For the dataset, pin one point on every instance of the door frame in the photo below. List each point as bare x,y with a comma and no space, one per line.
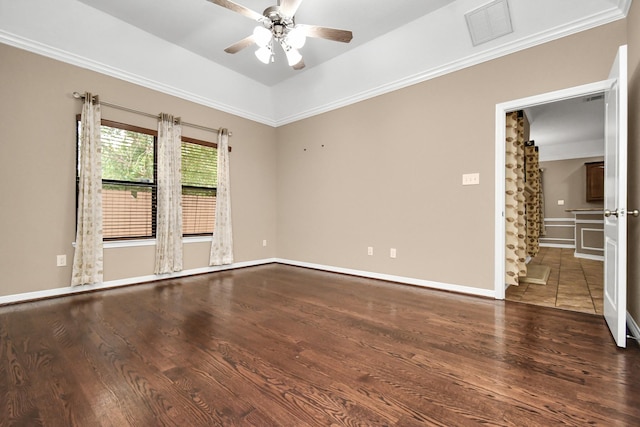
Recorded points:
501,111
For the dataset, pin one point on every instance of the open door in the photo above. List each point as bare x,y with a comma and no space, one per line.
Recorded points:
615,202
615,277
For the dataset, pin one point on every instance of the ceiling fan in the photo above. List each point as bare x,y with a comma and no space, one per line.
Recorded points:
278,25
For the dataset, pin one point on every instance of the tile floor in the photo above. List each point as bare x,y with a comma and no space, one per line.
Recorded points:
574,283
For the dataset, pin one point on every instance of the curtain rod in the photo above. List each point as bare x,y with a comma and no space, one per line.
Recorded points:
142,113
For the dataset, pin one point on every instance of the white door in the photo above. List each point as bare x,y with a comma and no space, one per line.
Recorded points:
615,203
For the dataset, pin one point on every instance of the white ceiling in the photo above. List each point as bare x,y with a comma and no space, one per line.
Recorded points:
206,29
572,128
176,46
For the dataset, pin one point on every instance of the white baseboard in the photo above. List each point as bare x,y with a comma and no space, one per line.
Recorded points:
589,256
490,293
556,245
633,328
57,292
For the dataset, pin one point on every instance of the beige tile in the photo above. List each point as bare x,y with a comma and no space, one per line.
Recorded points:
574,284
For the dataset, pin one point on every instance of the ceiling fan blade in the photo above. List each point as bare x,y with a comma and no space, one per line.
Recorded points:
343,36
238,46
238,8
289,7
299,65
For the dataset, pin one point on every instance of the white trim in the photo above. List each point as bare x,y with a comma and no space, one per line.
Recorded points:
501,110
624,6
560,225
589,221
391,278
80,61
589,248
612,14
111,244
58,292
572,219
557,245
633,327
197,239
588,256
558,239
595,20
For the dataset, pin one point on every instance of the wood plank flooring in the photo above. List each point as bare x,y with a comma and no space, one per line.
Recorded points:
575,284
277,345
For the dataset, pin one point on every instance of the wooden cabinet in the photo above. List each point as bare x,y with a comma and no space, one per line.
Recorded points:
595,181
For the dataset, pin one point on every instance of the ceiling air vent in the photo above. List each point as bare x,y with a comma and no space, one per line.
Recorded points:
489,22
594,97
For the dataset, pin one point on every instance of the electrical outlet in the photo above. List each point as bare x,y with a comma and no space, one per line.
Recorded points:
61,260
392,252
264,242
560,202
370,250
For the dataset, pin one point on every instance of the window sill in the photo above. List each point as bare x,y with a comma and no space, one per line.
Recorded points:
148,242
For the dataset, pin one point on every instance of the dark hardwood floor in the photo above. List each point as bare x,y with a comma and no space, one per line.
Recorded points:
284,346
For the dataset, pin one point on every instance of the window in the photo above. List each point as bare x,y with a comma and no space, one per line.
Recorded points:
129,182
199,182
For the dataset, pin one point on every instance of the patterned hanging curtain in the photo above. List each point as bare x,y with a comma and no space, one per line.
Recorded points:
543,230
515,230
169,187
88,255
533,199
222,242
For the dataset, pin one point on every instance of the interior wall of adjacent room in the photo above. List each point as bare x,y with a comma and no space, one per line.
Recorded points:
566,180
633,283
37,171
387,172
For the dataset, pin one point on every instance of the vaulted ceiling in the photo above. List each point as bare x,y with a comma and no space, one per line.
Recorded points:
176,46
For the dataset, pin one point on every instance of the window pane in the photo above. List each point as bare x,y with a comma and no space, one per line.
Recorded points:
126,155
198,210
199,165
126,211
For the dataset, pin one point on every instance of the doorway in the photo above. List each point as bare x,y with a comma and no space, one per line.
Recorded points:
569,140
615,200
592,89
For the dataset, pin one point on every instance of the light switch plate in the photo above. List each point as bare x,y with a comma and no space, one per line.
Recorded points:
471,179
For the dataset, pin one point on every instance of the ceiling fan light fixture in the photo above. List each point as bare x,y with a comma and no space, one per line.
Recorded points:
264,54
296,38
293,56
277,25
262,36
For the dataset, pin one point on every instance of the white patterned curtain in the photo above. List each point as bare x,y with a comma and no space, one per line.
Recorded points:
169,201
543,229
222,242
532,170
88,255
515,266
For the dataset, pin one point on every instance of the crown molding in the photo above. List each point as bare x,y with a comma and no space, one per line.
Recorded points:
624,6
89,64
613,14
593,21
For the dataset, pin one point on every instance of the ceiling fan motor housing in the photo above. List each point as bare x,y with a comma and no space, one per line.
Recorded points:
278,24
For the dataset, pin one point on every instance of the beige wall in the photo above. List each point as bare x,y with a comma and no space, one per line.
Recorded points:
566,180
389,173
633,36
385,172
37,178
